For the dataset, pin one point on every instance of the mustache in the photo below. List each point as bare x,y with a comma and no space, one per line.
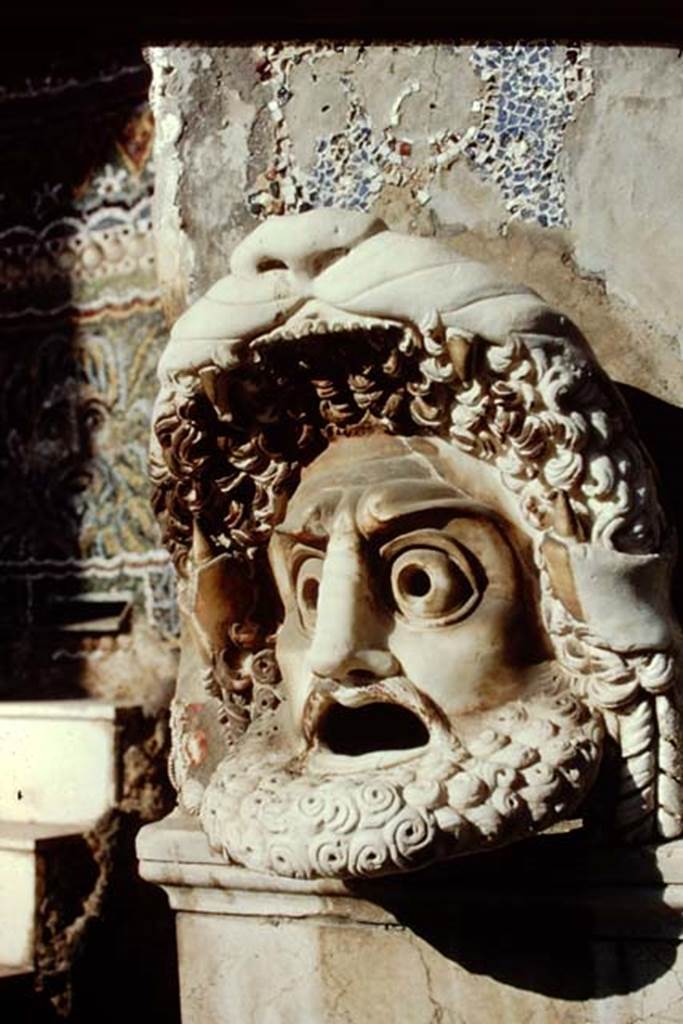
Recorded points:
326,691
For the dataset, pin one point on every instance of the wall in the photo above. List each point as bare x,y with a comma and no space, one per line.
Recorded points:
80,333
86,593
563,164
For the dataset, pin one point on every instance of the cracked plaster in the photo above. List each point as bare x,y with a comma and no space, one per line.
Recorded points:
624,171
504,109
314,969
505,142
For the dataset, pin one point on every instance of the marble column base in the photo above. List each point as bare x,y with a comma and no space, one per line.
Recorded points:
551,931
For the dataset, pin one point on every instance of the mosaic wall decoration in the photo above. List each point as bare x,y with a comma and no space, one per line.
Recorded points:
530,93
351,167
80,333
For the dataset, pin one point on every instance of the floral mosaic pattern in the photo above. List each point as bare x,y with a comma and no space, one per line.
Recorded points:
351,167
74,415
531,92
80,334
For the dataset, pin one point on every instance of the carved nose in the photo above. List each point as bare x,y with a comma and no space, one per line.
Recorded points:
355,666
349,642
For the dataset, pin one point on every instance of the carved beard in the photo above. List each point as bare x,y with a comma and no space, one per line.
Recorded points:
482,781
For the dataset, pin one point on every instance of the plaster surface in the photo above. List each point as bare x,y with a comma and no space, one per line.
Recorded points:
18,905
464,946
625,178
561,162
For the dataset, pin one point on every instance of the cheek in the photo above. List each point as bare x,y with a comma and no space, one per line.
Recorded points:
291,649
465,665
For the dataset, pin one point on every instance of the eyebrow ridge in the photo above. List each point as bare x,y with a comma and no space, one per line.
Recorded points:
372,524
303,536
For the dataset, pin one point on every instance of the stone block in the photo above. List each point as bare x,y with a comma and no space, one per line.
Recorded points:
57,761
551,931
23,849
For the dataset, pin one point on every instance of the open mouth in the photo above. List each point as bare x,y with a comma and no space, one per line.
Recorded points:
372,727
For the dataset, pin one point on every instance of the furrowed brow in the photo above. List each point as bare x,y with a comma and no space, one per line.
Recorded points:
303,535
378,515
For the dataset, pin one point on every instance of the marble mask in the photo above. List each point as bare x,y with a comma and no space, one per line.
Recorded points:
422,565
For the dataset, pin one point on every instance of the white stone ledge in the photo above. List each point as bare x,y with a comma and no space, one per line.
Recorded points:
24,849
15,972
20,835
621,892
532,931
57,760
62,709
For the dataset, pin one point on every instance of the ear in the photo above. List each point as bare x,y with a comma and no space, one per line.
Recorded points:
622,598
222,595
566,529
278,550
558,564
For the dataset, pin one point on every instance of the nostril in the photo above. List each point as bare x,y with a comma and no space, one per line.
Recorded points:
358,667
361,676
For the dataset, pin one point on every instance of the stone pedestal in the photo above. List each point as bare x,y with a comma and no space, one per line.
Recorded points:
548,931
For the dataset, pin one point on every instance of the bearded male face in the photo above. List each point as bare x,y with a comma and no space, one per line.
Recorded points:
471,562
423,714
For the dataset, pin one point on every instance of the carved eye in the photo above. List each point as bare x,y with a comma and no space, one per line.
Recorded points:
307,587
433,585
